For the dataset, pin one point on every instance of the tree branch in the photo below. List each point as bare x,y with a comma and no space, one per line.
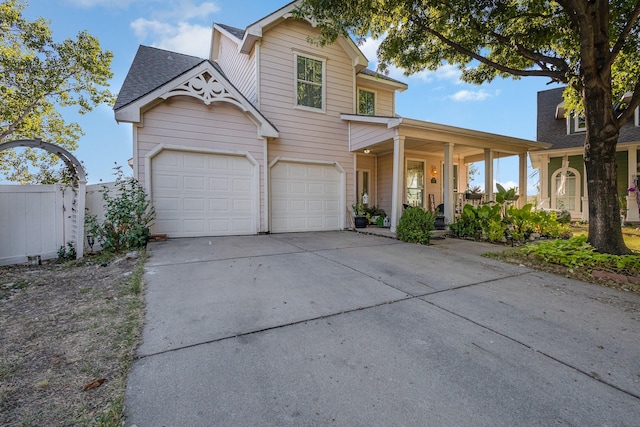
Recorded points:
622,38
555,75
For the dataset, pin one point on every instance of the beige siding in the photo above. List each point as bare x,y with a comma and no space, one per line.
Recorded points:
239,68
385,178
384,182
308,135
384,98
183,121
366,134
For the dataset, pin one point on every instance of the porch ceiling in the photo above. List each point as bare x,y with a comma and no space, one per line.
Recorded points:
376,134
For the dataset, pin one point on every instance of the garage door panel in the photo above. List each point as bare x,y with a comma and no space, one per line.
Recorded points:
198,194
193,183
242,206
167,181
194,162
221,184
242,184
304,197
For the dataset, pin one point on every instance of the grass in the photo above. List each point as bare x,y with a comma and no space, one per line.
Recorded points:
630,235
65,325
575,258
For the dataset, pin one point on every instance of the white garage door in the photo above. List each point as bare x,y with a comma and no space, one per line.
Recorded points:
197,194
304,197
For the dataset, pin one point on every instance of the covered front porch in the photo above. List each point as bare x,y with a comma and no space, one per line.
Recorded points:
402,161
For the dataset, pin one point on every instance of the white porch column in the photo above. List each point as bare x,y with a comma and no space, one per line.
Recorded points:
447,175
397,194
488,174
522,179
632,204
545,198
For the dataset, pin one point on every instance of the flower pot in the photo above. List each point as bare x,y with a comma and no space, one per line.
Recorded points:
472,196
361,221
439,224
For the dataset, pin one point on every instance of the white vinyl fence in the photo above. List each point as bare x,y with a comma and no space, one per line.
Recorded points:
37,220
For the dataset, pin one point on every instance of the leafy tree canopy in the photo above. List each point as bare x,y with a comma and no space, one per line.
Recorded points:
38,76
490,38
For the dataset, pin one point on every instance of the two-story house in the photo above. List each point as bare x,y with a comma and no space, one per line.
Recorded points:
274,134
563,181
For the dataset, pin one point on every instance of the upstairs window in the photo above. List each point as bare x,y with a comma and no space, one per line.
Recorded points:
576,124
309,82
366,102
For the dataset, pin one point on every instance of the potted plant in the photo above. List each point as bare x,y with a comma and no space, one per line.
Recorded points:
504,195
439,222
359,215
473,193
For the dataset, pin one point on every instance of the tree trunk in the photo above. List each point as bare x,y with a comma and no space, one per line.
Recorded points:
605,231
603,130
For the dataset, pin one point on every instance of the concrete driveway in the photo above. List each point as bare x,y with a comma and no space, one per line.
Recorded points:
346,329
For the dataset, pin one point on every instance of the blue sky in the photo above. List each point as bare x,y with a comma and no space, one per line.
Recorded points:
505,107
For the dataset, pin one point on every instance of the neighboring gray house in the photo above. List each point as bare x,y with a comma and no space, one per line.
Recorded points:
565,133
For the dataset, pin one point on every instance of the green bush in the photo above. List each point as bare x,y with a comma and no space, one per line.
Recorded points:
129,214
496,221
577,253
416,226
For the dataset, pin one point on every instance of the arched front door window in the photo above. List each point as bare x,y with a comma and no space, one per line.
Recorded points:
566,195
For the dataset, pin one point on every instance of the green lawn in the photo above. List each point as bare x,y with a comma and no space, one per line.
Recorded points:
630,234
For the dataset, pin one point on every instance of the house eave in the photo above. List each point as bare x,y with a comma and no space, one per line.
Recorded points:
254,32
398,86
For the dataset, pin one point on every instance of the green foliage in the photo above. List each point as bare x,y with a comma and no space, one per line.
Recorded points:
129,214
375,211
416,226
38,75
492,222
577,253
68,253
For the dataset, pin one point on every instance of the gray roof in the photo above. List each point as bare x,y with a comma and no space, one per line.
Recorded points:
554,131
151,68
237,32
372,73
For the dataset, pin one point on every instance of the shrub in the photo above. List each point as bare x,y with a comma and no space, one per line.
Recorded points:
67,253
416,226
129,214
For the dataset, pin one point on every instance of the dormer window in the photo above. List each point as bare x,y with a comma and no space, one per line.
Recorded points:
310,73
576,124
366,102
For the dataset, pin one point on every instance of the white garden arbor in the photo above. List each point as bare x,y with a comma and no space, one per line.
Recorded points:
72,204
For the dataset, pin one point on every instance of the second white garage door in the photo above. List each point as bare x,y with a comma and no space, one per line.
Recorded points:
304,197
201,194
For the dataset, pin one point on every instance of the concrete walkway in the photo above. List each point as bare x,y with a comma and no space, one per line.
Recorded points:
346,329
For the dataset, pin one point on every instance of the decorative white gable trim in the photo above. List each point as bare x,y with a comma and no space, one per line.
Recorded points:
254,32
206,88
206,84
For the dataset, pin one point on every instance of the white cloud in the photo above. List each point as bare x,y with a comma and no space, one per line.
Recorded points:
190,39
470,95
185,10
101,3
181,26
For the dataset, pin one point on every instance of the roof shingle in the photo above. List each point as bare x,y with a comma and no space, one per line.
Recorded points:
151,68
